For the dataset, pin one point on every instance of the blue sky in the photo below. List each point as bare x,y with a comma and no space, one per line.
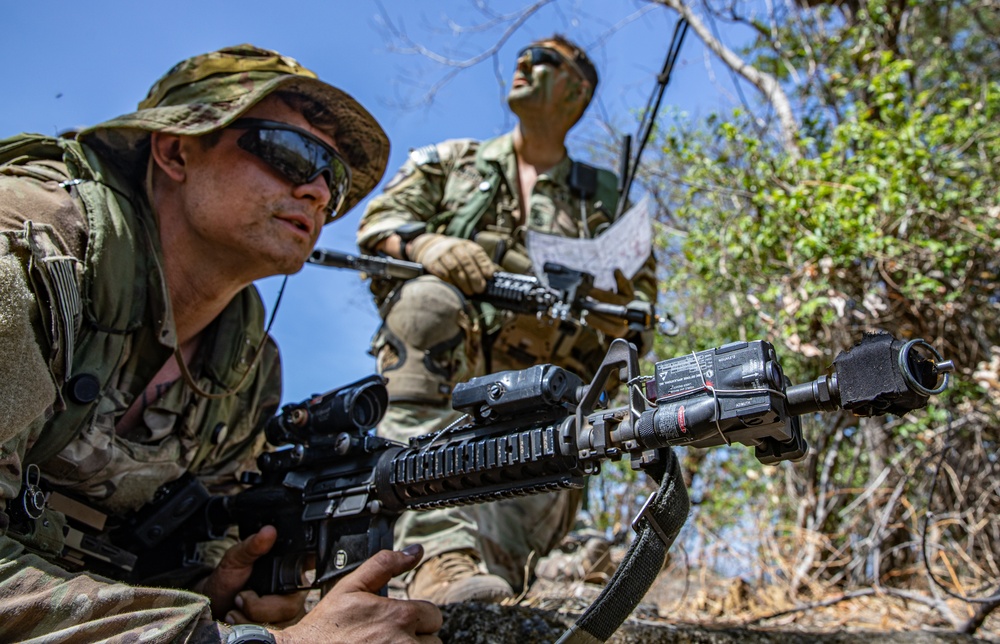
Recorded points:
71,64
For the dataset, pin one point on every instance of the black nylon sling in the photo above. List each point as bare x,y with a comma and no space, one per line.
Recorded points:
657,527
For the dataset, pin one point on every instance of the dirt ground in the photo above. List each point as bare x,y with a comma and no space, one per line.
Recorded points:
687,609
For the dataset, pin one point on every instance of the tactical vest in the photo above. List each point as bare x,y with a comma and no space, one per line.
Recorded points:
572,346
91,324
463,221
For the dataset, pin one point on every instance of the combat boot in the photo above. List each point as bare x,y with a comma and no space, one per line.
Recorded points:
589,562
597,564
456,577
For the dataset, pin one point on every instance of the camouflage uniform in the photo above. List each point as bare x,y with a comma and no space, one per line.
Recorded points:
433,338
86,323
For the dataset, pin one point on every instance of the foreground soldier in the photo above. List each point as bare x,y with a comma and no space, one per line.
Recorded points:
132,347
477,200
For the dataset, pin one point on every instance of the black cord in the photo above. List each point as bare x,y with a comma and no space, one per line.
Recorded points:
923,533
652,107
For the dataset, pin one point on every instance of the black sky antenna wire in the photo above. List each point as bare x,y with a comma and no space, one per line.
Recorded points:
628,168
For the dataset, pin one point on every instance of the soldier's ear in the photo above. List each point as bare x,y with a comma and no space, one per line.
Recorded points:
168,154
582,93
580,97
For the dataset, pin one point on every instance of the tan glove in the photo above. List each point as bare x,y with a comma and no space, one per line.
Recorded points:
623,295
457,261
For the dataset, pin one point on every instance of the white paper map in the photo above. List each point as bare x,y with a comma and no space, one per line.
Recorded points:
625,245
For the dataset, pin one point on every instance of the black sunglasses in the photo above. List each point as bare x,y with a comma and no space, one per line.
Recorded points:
546,56
297,155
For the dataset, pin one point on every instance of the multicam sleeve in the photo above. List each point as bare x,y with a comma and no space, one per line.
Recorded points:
42,602
413,194
27,386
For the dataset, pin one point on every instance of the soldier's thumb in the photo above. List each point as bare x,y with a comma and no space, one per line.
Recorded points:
623,285
375,573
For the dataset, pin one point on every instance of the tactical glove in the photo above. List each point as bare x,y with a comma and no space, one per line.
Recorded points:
457,261
623,295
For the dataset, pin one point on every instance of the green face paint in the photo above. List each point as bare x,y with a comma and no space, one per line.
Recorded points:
543,78
542,87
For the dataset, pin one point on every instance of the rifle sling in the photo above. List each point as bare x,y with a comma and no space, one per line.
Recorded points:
662,518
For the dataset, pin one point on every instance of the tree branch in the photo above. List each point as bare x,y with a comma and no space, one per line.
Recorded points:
764,82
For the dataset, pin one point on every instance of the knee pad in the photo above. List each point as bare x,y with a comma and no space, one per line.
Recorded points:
429,341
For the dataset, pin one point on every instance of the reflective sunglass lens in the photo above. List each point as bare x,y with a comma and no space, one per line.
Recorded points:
297,155
542,56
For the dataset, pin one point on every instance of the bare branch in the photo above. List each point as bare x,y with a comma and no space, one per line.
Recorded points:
802,608
764,82
409,46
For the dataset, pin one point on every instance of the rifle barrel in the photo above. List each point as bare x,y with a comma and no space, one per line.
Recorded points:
620,311
386,267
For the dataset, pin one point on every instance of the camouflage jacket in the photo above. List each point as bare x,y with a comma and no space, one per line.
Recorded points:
438,183
85,323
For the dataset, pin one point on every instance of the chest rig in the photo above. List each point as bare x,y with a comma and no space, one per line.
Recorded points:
517,341
92,311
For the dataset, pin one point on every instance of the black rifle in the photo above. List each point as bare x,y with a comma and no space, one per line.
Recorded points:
333,490
566,294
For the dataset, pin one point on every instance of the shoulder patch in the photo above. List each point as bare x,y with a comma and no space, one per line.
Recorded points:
401,174
424,155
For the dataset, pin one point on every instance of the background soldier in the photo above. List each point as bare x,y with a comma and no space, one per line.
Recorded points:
132,346
462,208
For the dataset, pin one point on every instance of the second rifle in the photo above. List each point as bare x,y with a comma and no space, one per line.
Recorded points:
565,295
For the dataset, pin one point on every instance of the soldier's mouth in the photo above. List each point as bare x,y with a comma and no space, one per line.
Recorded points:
520,81
299,222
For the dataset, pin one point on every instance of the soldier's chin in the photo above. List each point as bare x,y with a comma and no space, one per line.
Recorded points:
518,95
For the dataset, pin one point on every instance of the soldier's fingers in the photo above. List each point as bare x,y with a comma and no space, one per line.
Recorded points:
611,326
477,283
375,573
474,278
485,264
423,617
236,617
243,554
448,263
463,280
271,609
439,268
428,639
623,284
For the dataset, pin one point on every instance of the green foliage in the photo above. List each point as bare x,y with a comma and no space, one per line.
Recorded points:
898,211
888,220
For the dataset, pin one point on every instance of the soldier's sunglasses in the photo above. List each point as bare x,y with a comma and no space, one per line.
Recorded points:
297,155
547,56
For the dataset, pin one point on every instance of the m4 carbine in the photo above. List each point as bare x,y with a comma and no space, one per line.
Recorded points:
565,295
333,490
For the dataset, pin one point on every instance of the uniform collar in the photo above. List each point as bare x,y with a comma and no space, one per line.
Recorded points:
501,151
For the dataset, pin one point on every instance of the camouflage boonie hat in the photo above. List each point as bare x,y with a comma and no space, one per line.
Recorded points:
208,92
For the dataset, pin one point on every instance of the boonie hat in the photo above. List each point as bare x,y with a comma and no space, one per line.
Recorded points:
208,92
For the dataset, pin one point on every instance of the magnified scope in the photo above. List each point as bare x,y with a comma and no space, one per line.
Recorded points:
356,407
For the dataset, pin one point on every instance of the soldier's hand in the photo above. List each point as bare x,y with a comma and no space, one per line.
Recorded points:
457,261
225,586
352,612
623,295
